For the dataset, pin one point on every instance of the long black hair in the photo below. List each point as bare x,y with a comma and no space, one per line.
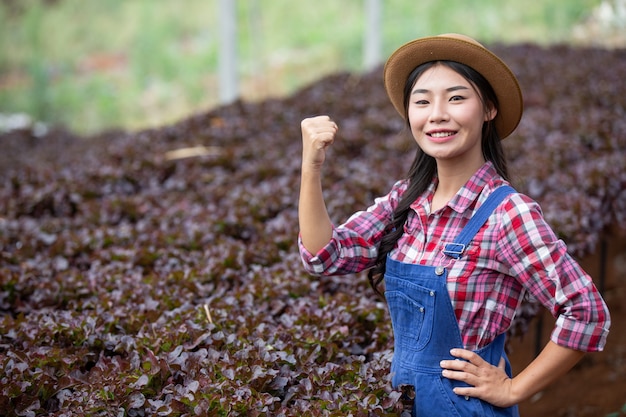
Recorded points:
424,167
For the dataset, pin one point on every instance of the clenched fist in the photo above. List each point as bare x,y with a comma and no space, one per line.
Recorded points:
318,133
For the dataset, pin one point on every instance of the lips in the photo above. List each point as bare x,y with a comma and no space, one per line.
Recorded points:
441,135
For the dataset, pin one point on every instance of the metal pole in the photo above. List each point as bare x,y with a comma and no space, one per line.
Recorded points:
227,58
372,34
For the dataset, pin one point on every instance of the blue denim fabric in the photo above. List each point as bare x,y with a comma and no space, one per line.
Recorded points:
425,329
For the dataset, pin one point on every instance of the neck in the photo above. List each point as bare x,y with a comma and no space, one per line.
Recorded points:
452,176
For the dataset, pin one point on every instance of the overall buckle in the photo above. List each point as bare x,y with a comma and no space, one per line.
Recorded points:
454,250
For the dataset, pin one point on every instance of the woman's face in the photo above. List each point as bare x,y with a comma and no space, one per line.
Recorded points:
446,115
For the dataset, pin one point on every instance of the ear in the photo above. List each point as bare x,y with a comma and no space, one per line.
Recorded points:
491,113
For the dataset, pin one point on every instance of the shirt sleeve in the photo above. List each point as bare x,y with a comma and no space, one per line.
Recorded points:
541,263
354,244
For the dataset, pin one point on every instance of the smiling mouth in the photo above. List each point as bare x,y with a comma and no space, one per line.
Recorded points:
439,135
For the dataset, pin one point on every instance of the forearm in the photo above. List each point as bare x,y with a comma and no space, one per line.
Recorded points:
316,229
553,362
315,224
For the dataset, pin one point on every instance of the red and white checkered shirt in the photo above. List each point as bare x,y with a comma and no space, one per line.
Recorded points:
513,253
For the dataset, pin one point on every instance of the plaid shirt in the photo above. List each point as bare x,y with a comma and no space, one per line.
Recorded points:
515,252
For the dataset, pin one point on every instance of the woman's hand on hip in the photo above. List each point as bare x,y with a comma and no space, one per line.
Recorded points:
488,382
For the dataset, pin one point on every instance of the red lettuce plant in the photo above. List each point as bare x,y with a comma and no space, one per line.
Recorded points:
136,284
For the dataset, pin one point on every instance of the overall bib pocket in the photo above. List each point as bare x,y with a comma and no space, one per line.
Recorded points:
411,316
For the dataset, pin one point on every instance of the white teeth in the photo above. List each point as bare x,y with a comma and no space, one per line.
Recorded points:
441,134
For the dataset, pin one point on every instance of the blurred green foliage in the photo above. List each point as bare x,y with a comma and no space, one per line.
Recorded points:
97,64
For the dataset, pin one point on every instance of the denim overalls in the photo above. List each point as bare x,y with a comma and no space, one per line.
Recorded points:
425,329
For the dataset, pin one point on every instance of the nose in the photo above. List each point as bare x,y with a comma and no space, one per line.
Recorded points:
439,112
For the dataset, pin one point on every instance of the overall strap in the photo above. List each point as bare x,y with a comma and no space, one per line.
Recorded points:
456,249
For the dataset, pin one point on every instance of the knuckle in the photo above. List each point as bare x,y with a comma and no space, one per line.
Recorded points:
462,365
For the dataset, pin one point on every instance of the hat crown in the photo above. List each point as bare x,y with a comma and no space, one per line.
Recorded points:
460,37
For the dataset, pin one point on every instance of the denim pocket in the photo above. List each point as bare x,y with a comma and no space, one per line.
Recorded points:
411,314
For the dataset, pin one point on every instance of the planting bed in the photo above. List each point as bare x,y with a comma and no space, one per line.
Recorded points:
136,281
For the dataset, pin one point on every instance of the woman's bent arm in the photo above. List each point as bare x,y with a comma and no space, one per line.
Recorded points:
315,225
491,384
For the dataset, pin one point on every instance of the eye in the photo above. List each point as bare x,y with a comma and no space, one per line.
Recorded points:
457,98
421,102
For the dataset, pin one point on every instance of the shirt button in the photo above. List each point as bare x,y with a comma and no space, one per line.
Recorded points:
439,270
467,398
421,309
432,293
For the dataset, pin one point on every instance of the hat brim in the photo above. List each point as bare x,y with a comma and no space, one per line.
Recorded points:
465,50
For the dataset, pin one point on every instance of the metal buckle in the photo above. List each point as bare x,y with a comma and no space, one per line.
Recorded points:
454,250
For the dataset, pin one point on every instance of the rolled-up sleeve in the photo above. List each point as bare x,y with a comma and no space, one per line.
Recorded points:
354,244
541,263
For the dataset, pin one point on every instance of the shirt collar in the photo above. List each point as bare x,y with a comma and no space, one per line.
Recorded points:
485,176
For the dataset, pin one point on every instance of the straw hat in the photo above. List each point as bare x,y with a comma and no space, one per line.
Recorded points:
463,49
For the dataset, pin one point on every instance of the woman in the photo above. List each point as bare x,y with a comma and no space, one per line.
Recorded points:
456,247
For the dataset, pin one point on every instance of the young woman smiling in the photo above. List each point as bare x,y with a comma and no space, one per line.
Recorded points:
456,247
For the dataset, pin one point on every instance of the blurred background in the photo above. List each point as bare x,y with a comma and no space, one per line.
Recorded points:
93,65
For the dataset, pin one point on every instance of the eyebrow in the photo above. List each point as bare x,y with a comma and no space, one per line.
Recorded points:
449,90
